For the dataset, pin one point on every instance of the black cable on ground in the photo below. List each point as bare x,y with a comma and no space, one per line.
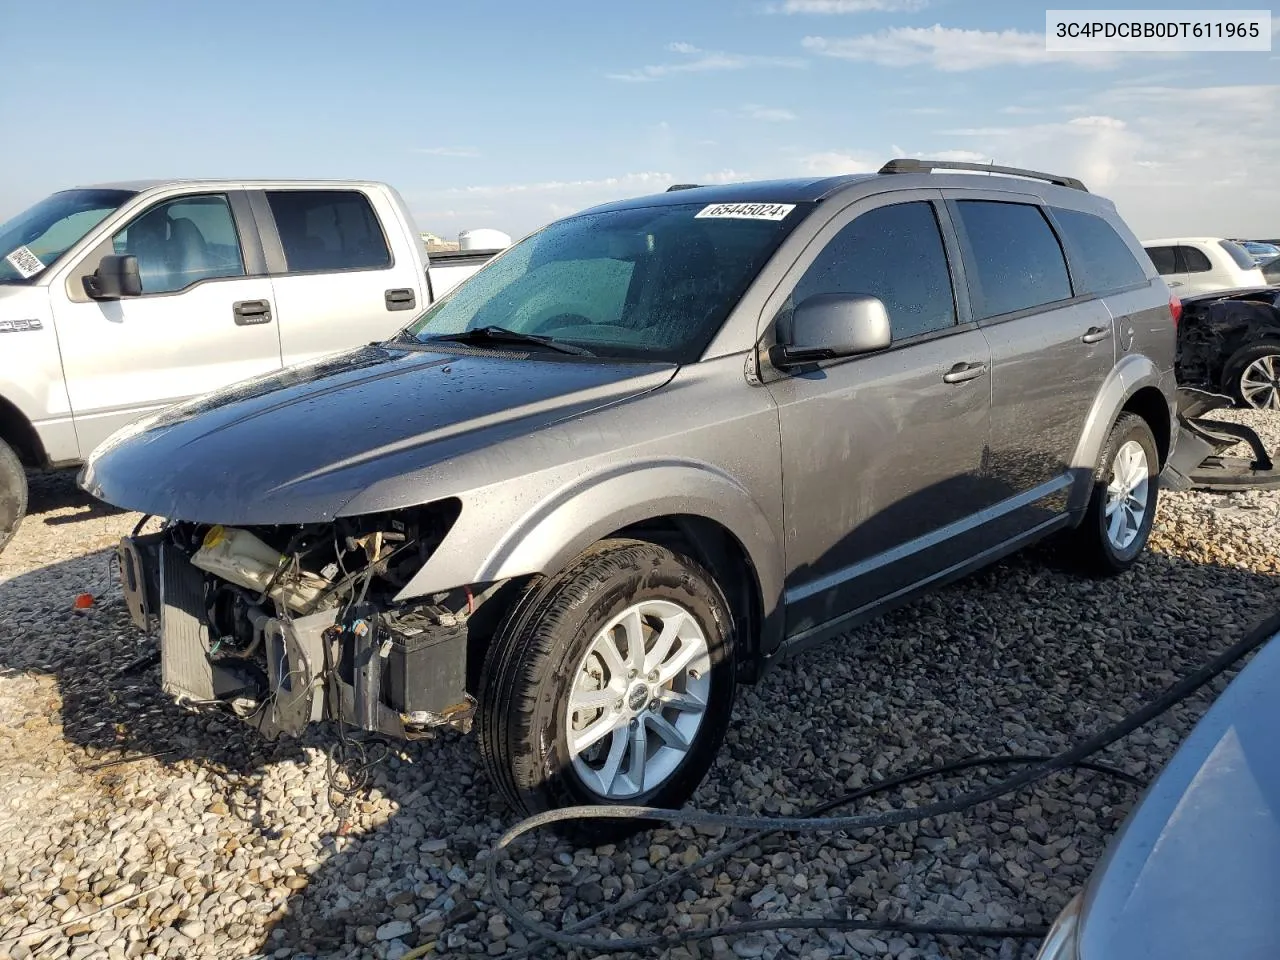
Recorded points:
883,786
813,824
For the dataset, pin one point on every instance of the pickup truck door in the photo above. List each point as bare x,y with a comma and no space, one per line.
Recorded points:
344,268
204,319
883,453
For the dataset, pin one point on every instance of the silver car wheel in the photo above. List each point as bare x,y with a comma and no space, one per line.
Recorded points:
1260,383
639,697
1127,494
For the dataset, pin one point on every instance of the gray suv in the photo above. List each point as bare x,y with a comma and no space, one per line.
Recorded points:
646,453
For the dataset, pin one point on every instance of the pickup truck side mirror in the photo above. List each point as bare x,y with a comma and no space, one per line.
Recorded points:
830,325
116,277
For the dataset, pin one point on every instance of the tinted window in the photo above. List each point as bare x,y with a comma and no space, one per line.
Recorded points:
1016,260
1103,261
1243,258
894,253
1195,260
328,230
1165,259
183,241
644,282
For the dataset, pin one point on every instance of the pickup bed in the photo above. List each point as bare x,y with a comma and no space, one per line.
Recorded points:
120,299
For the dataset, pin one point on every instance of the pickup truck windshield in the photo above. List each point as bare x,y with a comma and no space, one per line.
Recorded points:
652,283
33,240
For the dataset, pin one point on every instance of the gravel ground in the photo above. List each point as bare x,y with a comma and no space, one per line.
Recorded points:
226,846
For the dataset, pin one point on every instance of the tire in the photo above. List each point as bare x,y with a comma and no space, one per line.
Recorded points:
1104,544
13,494
552,654
1245,375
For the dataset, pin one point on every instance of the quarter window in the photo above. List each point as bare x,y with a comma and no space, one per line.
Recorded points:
1102,260
1195,260
183,241
894,253
1165,259
328,230
1015,260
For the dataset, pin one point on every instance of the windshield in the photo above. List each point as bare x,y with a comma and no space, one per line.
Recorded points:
33,240
1239,254
651,283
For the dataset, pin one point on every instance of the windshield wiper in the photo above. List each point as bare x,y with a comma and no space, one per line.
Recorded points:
494,334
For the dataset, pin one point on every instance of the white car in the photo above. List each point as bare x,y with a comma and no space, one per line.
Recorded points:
1193,265
120,299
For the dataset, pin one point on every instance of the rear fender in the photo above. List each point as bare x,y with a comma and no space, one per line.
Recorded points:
1131,374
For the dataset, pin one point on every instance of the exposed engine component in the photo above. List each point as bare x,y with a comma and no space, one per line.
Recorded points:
243,559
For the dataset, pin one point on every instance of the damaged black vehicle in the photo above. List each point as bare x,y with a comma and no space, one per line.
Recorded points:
1229,342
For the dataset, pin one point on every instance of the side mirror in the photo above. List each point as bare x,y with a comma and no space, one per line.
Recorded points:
829,325
116,277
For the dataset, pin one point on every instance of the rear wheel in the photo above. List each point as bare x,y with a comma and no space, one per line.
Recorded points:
13,493
1122,507
1253,375
610,683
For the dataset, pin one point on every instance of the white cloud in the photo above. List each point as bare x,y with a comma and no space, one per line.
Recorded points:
753,111
725,176
848,6
696,60
447,151
834,163
1158,153
949,49
518,208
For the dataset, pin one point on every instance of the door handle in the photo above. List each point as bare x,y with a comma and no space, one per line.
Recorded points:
249,313
402,298
963,372
1096,334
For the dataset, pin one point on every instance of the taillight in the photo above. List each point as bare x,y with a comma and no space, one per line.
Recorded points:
1175,310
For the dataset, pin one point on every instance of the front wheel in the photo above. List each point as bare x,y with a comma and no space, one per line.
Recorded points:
1253,375
13,493
1122,508
610,683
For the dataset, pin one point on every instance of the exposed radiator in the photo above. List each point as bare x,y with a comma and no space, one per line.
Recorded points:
185,670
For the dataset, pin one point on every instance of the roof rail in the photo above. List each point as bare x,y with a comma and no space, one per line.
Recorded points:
911,165
683,186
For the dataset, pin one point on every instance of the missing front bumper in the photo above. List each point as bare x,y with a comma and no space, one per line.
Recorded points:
1199,461
400,673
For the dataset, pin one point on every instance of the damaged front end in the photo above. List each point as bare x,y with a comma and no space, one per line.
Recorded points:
1200,460
285,625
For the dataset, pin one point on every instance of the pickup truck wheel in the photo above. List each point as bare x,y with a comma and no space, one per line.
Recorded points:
610,683
13,493
1126,487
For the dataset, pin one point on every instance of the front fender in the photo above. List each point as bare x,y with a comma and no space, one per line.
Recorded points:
558,527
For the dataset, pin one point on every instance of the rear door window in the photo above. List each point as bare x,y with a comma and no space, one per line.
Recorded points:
1102,260
1014,259
1165,260
894,253
328,230
1194,260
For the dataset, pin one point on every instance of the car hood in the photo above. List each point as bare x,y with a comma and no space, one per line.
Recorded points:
1195,871
297,445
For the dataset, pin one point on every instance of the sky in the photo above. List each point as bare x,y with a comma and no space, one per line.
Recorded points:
510,114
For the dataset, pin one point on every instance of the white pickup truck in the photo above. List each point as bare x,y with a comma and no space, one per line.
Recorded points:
119,299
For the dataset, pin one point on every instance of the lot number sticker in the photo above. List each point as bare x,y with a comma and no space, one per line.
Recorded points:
747,211
25,262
